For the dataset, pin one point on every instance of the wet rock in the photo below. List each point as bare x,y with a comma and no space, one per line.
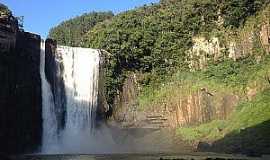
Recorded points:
54,74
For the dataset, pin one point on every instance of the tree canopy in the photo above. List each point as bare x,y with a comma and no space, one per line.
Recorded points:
4,10
153,39
70,32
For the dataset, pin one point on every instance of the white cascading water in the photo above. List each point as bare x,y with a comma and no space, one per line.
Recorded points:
80,75
49,136
81,72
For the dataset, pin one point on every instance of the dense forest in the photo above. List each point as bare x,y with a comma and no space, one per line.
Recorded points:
152,39
158,43
199,68
70,32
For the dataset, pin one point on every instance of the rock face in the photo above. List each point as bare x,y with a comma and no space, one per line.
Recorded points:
103,110
20,97
202,51
232,44
125,111
265,36
196,107
20,94
54,75
200,107
203,105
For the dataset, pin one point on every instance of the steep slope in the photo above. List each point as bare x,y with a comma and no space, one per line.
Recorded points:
189,63
20,93
245,131
218,68
154,39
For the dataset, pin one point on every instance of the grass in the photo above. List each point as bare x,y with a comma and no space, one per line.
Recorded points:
250,119
207,131
247,114
225,77
251,113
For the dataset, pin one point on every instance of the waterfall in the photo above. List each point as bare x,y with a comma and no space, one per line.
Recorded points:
49,135
80,71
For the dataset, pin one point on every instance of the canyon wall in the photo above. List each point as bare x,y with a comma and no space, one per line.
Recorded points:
252,39
204,104
20,94
195,107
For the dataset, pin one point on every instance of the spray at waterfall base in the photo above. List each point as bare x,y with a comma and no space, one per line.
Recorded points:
70,86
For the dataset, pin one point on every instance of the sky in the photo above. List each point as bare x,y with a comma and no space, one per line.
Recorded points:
41,15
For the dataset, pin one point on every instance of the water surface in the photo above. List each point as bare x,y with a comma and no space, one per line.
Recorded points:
193,156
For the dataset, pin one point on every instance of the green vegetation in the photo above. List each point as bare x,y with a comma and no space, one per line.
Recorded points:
70,32
258,109
4,10
227,77
202,132
236,11
6,15
153,42
153,39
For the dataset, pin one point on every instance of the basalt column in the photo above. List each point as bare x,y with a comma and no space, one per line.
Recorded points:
20,95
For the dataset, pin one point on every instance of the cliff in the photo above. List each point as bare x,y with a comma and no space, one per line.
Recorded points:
176,109
188,103
221,100
185,65
20,94
252,39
